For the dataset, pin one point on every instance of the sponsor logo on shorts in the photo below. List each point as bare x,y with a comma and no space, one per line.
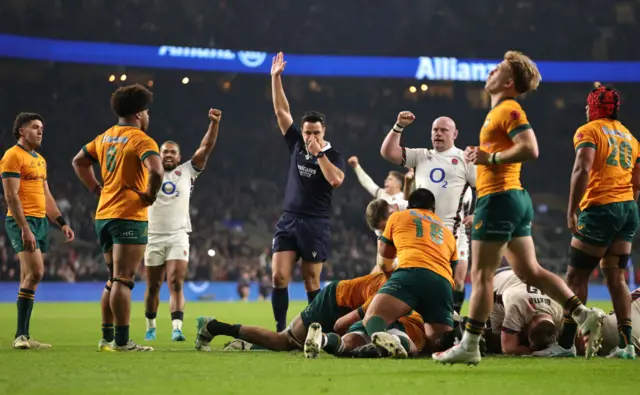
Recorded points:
129,234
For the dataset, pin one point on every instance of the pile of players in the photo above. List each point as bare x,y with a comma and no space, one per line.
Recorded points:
407,305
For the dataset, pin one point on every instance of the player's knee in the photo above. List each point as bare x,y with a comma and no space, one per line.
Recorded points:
33,277
176,283
577,277
154,287
311,284
280,280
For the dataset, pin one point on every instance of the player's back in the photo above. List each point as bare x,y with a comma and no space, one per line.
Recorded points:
422,240
616,155
501,125
121,151
355,292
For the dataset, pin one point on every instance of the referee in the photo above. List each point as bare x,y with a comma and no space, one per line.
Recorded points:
302,232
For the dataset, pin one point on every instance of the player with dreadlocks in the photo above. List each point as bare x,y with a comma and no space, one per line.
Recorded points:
604,185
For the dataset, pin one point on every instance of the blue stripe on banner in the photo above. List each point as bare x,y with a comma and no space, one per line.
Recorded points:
193,291
225,60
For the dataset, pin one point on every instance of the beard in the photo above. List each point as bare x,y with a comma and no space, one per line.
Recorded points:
169,166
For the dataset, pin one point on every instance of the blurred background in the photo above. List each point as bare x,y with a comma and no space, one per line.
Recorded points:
238,198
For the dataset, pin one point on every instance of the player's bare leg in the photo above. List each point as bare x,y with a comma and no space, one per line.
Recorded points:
31,273
208,328
384,310
459,278
281,268
522,257
176,273
311,277
126,259
108,329
613,266
155,278
486,257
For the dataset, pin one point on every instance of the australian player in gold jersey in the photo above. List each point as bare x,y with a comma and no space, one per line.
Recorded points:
132,173
502,223
24,180
604,186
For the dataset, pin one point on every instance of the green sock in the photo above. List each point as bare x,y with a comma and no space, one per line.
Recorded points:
334,343
624,332
25,306
405,343
122,335
568,333
108,332
375,324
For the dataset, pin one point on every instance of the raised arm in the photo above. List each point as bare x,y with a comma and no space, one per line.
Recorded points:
280,103
391,149
364,179
409,181
199,159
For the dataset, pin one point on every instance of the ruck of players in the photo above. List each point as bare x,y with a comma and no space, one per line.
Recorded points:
442,213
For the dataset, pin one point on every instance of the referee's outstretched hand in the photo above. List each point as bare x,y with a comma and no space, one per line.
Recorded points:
277,64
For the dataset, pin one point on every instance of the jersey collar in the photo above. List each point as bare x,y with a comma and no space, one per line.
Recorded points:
450,150
502,100
326,147
32,153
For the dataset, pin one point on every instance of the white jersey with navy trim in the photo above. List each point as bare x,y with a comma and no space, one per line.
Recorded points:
170,212
448,176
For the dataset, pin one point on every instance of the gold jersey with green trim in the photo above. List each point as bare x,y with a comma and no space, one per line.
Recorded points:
616,155
505,121
31,168
120,151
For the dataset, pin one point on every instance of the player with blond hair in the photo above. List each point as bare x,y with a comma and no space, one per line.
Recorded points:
502,223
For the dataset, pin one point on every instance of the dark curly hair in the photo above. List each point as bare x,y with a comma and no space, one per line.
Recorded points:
131,99
22,119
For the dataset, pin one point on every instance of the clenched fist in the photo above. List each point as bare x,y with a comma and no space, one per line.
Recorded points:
405,118
353,161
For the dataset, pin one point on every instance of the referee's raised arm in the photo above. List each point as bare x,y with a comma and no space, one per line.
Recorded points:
280,103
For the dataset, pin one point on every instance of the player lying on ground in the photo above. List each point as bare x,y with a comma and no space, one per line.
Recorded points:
522,319
29,203
334,300
504,212
611,332
169,226
444,172
604,186
423,281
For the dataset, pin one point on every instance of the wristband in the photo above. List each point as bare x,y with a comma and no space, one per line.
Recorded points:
320,154
397,128
60,220
491,159
496,158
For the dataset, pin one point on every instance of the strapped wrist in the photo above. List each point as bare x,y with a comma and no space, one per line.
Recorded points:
398,128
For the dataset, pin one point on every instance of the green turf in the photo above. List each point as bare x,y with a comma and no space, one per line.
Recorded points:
74,367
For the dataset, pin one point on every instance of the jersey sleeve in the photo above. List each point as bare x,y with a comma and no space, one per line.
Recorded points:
292,137
584,138
11,165
145,146
194,172
638,148
515,121
91,151
411,156
402,204
387,235
471,174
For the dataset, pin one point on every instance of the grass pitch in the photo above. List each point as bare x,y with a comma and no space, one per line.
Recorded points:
73,366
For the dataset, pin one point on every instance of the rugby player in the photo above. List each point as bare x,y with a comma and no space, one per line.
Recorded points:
303,231
520,312
503,215
392,191
604,186
29,203
423,281
332,302
611,330
132,173
444,172
169,228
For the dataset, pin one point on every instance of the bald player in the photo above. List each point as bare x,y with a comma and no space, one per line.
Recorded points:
522,311
444,172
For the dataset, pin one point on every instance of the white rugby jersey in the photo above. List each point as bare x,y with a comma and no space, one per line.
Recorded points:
515,304
170,212
448,176
610,326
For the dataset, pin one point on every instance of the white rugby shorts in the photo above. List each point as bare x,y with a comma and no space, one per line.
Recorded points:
463,244
162,248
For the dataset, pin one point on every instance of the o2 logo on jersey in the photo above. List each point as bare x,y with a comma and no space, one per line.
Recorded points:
169,188
437,176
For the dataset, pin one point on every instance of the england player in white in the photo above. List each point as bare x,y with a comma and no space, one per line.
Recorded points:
169,227
444,172
392,191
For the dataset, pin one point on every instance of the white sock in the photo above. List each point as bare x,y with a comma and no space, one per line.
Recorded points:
470,341
177,324
151,323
